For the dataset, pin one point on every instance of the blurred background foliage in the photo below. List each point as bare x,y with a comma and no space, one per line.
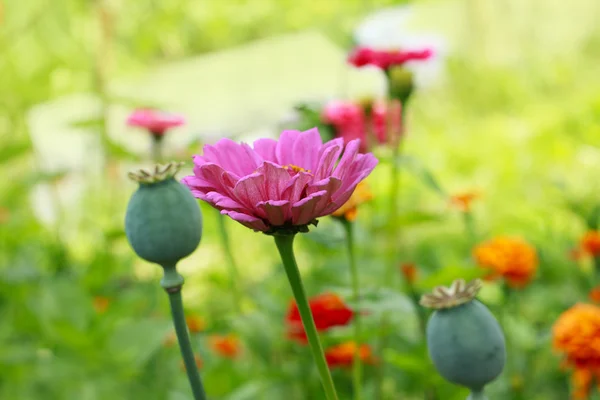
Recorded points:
515,116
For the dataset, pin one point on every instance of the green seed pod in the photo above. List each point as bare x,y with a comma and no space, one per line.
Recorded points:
401,83
465,341
163,222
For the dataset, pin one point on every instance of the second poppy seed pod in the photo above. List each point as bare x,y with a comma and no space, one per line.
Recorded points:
401,83
163,222
464,339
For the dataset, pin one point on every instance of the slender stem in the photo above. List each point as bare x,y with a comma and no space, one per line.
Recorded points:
285,245
156,148
172,283
231,266
356,363
395,233
470,226
477,395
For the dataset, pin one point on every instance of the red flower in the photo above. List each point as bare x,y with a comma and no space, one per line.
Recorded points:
225,346
385,59
356,121
409,272
342,355
328,311
156,122
590,243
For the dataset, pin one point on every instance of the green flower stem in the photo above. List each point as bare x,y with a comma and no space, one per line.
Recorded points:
156,148
356,363
391,267
231,265
285,245
172,282
477,395
470,226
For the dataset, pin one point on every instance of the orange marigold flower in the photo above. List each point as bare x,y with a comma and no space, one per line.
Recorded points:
342,355
226,346
409,271
328,311
198,360
100,304
595,294
510,258
590,243
576,334
361,195
195,323
462,201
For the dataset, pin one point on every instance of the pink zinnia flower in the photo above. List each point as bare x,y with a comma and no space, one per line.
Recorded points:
387,120
348,120
156,122
385,59
280,184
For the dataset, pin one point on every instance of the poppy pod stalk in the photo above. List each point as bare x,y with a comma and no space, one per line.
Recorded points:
163,225
464,339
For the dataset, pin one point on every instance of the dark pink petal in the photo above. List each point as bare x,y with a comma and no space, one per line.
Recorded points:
304,210
222,202
306,149
233,157
277,179
330,184
285,147
220,180
265,148
247,220
357,171
251,190
328,156
296,187
350,152
277,212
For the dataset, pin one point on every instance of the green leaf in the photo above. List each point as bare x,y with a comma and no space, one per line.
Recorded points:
406,362
412,218
416,167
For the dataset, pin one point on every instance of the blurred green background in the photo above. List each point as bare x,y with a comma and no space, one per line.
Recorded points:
512,111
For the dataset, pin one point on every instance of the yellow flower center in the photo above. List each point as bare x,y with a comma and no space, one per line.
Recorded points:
296,168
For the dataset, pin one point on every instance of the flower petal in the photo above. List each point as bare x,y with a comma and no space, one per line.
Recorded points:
306,149
250,190
265,148
328,156
277,212
238,158
303,211
247,220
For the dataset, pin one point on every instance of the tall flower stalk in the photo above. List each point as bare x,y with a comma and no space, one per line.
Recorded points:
285,246
356,362
163,225
157,124
231,265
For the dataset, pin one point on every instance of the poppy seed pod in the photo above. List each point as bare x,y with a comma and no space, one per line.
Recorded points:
464,339
163,222
401,83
